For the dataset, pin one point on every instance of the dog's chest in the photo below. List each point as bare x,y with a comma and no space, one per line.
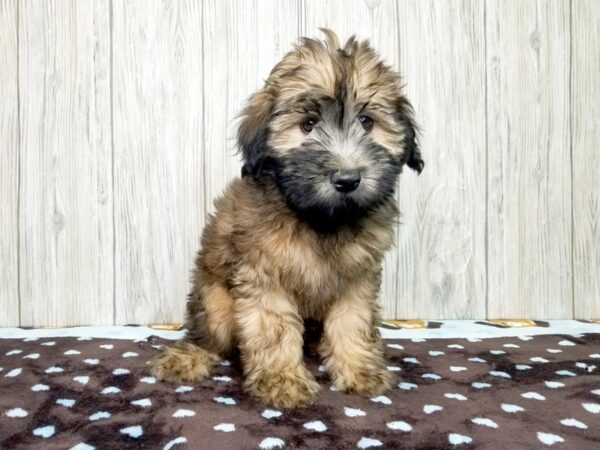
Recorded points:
317,269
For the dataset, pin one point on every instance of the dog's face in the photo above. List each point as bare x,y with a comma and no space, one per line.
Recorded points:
332,128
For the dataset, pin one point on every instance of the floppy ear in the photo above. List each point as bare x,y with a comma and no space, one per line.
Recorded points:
253,132
412,155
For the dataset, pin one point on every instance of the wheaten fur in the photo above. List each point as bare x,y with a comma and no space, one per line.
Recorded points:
283,246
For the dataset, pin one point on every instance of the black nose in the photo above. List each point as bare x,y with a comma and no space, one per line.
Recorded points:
345,180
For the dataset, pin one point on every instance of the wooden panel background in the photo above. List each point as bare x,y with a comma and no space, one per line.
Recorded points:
9,165
158,155
441,244
529,163
65,220
117,126
585,126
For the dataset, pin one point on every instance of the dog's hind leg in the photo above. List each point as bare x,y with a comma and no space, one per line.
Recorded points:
209,335
183,361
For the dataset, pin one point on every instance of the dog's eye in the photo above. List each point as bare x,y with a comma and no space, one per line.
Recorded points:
308,125
366,122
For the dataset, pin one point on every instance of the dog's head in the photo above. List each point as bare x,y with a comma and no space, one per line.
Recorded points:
332,128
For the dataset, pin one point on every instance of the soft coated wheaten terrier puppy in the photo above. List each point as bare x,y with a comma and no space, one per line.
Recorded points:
303,232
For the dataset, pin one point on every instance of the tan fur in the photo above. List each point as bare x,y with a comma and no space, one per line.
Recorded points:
351,346
261,271
183,361
280,271
313,67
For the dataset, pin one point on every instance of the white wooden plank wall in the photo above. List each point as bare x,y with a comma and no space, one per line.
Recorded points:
65,214
585,126
158,155
9,166
529,163
117,124
441,244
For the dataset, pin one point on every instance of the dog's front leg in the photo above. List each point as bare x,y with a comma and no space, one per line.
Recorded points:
270,340
351,346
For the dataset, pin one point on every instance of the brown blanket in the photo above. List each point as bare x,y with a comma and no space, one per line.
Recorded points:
512,393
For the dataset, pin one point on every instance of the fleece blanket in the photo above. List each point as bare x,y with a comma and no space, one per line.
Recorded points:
522,389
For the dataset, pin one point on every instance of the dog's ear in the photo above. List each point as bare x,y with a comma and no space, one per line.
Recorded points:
412,155
253,131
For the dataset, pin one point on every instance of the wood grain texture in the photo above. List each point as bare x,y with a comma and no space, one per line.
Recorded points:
441,245
158,155
66,202
529,169
117,126
9,166
242,43
377,21
585,117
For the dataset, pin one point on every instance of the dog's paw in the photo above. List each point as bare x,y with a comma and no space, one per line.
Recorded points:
291,388
183,361
368,383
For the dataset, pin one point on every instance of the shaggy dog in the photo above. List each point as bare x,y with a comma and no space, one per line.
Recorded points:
302,234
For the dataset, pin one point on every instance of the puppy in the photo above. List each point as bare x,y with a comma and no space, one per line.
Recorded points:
302,234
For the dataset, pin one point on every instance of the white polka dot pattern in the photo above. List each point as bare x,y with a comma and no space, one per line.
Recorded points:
474,389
